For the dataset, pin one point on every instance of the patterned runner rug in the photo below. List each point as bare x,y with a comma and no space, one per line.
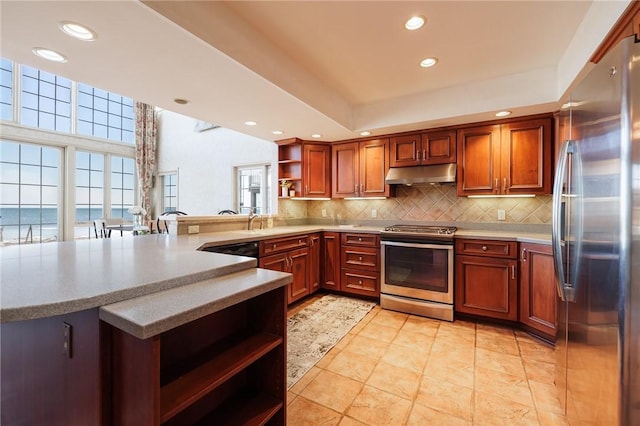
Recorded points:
317,328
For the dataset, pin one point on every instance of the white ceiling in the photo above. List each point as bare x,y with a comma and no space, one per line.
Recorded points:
328,67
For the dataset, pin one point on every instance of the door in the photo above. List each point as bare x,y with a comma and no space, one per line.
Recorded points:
331,261
478,160
345,170
525,154
439,147
315,248
299,267
374,165
538,289
317,174
405,150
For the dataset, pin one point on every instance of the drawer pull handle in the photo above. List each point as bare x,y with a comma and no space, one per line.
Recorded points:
524,254
273,247
513,272
360,258
485,248
360,282
360,239
299,241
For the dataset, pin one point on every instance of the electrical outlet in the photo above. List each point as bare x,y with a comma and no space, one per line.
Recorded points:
501,215
374,213
324,212
194,229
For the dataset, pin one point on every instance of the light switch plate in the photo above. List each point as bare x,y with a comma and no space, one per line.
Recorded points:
501,215
324,212
374,213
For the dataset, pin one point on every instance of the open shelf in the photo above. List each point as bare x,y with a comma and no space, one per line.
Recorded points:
252,409
182,392
289,161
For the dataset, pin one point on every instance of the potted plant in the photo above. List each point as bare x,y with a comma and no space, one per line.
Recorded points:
285,185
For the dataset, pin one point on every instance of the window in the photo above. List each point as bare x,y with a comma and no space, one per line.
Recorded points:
45,100
89,186
6,89
29,193
104,114
169,192
254,189
122,186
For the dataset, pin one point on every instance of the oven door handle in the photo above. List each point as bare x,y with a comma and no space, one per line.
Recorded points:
444,246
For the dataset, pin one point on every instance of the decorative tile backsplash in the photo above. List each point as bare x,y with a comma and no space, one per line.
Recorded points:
426,202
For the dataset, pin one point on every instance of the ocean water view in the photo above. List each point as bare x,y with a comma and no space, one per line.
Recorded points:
15,223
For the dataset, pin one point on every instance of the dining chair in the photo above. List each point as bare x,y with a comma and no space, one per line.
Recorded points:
161,225
113,221
99,227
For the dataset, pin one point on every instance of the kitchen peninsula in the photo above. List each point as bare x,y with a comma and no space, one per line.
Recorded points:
85,323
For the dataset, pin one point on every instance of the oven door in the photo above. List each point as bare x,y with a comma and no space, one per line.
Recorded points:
419,271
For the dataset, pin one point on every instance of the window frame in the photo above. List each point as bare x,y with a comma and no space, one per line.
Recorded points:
265,186
161,176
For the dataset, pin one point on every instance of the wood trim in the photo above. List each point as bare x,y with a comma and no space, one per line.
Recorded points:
628,24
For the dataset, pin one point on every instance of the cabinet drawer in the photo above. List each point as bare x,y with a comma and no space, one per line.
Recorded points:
278,245
356,239
361,258
491,248
360,282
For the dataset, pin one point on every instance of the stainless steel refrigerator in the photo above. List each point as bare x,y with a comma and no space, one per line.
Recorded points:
596,244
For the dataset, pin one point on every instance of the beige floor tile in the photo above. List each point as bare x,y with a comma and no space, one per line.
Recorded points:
507,386
413,341
539,371
366,346
302,412
537,351
413,360
494,330
344,341
348,421
545,396
398,381
342,391
446,397
498,343
375,407
492,410
290,397
390,319
305,380
329,356
453,371
552,419
422,416
447,350
352,365
498,361
421,325
379,332
456,335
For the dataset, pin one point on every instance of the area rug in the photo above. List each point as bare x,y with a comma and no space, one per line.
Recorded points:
317,328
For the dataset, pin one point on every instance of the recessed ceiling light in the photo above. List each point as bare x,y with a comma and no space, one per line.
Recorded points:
77,31
428,62
503,113
277,132
415,22
365,133
316,135
181,101
250,123
48,54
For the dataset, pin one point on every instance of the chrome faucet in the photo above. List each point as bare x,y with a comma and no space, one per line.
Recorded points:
252,216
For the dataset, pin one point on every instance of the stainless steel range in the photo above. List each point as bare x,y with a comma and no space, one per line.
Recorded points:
417,270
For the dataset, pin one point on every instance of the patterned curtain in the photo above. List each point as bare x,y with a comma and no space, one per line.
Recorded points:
146,128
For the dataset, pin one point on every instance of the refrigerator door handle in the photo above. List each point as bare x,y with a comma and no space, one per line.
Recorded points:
558,220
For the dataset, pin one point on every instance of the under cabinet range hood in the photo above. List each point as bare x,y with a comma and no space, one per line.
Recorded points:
439,173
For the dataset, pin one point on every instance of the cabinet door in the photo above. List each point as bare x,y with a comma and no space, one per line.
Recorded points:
538,289
276,262
314,262
405,151
478,160
331,261
299,267
487,287
356,281
526,157
316,178
374,165
345,170
439,147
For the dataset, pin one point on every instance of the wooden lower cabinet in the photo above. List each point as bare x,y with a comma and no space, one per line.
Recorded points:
228,367
295,262
331,261
360,282
315,249
538,296
360,264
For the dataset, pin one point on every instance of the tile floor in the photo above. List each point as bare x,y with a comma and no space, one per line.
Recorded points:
398,369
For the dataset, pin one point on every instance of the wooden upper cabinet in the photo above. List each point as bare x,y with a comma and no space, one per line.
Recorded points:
512,158
316,166
359,169
422,149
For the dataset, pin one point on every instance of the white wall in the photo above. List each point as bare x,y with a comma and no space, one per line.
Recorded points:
205,162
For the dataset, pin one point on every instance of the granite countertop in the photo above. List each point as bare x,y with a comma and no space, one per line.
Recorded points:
44,280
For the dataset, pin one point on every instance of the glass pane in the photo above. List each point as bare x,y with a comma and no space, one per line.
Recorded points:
30,174
63,108
128,181
85,100
5,94
82,196
100,93
115,121
9,173
29,101
6,77
46,76
6,112
129,164
96,196
85,128
47,89
50,157
9,194
100,105
29,85
63,124
83,88
115,134
100,131
116,180
127,136
31,72
97,161
50,195
50,176
9,151
116,196
29,194
30,154
127,197
63,93
100,117
47,105
82,160
97,179
46,121
116,164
